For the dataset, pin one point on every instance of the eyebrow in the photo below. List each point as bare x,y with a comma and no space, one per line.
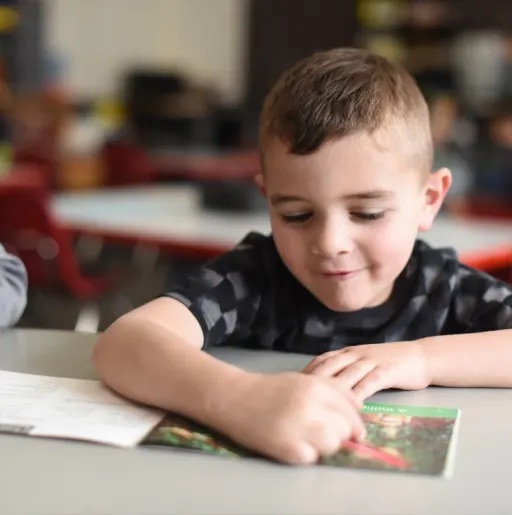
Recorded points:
277,200
371,194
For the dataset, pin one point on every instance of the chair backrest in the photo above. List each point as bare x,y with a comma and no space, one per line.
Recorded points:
496,262
28,230
126,164
481,207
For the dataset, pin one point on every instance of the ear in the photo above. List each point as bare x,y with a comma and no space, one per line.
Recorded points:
435,191
260,183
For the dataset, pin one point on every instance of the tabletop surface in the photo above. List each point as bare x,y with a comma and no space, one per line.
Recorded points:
173,212
63,477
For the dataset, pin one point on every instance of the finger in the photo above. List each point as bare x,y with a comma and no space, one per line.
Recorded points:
303,453
316,361
355,372
357,428
342,391
348,408
376,380
327,438
334,365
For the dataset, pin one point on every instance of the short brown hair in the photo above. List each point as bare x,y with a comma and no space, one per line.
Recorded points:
342,92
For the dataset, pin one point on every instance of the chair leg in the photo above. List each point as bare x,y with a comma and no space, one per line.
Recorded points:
88,249
88,319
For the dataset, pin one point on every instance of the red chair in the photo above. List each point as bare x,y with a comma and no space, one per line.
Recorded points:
28,230
22,178
126,164
480,207
496,262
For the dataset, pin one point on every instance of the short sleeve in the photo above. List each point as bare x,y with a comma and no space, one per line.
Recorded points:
225,294
482,302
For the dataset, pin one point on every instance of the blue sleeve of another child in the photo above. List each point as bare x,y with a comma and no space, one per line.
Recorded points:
13,288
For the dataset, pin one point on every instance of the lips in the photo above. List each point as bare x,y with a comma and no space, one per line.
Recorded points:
340,274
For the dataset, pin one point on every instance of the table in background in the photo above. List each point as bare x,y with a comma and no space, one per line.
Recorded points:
171,218
62,477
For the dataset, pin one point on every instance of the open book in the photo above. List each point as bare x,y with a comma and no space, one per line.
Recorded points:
401,438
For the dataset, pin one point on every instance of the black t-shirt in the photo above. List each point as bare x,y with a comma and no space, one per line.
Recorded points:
248,298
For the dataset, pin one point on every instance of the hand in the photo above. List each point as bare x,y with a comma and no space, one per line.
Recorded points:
291,417
366,369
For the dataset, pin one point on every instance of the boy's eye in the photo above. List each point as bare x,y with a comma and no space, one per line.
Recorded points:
296,218
369,217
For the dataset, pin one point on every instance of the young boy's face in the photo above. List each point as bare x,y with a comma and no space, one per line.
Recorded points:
345,218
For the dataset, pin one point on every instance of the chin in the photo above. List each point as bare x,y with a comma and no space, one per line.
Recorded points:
343,306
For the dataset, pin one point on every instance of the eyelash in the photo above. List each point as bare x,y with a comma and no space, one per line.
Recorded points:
304,217
369,217
296,219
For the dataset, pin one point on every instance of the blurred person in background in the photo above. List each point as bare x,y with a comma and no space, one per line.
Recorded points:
494,175
453,136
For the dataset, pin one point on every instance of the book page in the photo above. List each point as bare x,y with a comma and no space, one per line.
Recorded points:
71,408
415,439
410,439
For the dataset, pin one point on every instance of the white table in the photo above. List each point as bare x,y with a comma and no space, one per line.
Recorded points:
171,216
166,216
60,477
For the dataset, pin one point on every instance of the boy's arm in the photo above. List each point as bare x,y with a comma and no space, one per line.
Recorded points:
465,360
477,354
13,288
153,355
477,359
149,353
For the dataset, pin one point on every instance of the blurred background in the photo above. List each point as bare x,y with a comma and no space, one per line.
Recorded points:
128,129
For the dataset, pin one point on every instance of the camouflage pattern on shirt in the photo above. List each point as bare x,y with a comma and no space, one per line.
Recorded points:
248,298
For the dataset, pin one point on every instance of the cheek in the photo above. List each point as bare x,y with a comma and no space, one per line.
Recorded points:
392,244
289,243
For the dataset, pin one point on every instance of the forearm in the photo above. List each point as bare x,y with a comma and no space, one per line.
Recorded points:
146,362
470,360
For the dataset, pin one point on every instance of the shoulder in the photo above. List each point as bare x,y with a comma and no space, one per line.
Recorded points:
245,263
254,255
225,294
443,263
474,300
13,288
12,266
434,265
481,301
253,246
434,257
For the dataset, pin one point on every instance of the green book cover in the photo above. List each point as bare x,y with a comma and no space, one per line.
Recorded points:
399,438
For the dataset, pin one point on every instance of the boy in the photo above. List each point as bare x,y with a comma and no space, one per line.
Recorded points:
13,289
346,168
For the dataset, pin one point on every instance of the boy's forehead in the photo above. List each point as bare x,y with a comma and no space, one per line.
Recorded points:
354,166
357,152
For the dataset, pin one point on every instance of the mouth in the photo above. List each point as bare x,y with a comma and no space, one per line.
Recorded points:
341,274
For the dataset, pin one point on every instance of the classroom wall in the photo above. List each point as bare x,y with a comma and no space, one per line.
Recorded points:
99,39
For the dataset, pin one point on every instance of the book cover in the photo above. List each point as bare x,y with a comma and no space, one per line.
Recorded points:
399,438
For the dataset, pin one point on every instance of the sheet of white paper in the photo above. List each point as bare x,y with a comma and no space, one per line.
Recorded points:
71,408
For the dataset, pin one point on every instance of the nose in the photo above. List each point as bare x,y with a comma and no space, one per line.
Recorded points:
331,238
